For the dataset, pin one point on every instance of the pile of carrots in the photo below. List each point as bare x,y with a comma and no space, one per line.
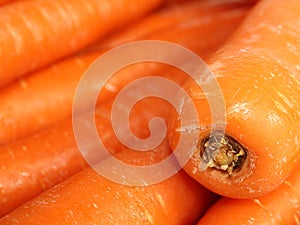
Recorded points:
247,173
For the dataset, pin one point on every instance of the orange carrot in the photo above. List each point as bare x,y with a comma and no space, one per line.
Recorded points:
36,33
179,15
258,74
30,104
36,163
216,25
40,94
32,165
278,207
88,198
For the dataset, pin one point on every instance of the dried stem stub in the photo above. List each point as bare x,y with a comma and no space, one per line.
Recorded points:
222,152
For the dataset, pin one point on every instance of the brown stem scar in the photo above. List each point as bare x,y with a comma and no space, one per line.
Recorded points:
222,152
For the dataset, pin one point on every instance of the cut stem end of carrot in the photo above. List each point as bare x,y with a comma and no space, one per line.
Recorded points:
223,153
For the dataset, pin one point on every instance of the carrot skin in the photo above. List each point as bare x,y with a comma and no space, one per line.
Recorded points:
278,207
38,162
40,93
176,16
261,92
90,198
30,104
37,33
187,35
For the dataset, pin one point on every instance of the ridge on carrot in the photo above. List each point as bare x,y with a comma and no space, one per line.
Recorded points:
259,77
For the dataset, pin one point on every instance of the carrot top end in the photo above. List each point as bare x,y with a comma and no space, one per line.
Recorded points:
223,153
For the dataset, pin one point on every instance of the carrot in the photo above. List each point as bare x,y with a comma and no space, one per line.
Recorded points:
40,94
258,75
57,144
216,26
178,15
281,206
36,33
30,104
38,162
88,198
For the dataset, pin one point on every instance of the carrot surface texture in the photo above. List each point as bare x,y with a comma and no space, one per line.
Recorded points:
281,207
30,103
88,198
258,73
40,161
36,33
